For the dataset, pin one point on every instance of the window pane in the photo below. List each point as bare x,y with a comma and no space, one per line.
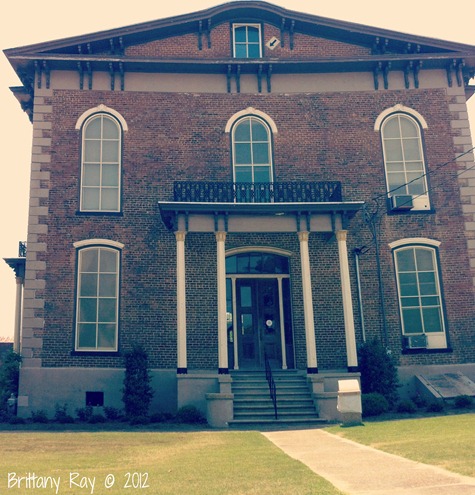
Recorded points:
87,335
108,261
110,175
243,131
93,128
246,301
405,260
110,151
92,151
408,284
259,132
91,175
416,187
391,128
262,174
107,310
393,150
90,198
240,51
253,34
432,319
88,285
243,174
430,301
254,51
412,320
109,129
240,34
408,302
260,153
424,259
411,149
231,264
110,199
89,260
243,263
87,309
107,285
106,336
427,283
242,154
408,127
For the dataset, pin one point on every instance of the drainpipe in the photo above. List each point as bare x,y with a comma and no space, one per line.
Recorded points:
357,253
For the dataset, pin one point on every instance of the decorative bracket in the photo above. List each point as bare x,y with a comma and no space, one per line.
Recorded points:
282,32
291,33
269,75
259,79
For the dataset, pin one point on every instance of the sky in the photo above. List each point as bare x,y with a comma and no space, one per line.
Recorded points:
36,22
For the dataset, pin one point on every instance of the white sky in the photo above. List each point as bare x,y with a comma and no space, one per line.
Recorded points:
35,22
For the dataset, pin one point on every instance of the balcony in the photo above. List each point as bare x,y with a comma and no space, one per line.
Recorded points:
253,192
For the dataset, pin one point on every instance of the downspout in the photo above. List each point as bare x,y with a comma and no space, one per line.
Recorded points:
357,253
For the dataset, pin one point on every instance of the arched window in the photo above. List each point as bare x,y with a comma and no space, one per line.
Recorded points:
404,162
97,305
101,164
252,153
420,298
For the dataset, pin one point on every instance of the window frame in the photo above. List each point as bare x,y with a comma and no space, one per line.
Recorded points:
81,248
400,198
269,142
436,341
236,25
100,186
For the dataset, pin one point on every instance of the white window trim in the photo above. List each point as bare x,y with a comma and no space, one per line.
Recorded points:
101,109
247,24
420,241
399,109
91,244
251,112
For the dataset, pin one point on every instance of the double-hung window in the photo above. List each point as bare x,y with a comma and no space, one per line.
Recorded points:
420,298
97,299
247,41
404,163
101,164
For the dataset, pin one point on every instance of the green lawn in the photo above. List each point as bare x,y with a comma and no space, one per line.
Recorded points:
445,441
172,463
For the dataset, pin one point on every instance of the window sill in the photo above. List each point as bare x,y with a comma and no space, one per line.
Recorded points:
446,350
96,353
99,213
411,212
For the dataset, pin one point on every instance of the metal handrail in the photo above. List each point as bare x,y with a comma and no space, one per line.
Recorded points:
271,382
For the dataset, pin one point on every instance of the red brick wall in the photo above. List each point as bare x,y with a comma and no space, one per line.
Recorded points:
181,137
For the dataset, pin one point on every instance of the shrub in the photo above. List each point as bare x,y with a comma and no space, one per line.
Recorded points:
139,420
84,413
419,401
374,404
61,414
463,402
435,407
9,375
406,406
190,415
39,416
16,420
161,417
378,371
112,413
97,418
137,392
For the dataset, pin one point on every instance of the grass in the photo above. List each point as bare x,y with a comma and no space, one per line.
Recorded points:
170,463
443,441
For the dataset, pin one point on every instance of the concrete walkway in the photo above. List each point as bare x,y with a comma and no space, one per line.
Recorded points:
359,470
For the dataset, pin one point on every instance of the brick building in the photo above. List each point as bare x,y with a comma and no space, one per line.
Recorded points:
242,183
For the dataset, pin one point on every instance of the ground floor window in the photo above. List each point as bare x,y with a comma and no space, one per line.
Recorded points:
420,298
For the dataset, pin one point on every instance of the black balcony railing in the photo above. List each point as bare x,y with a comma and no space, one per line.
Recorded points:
253,192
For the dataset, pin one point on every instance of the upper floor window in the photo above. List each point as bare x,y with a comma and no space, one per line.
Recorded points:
247,41
97,299
252,154
420,298
404,163
101,164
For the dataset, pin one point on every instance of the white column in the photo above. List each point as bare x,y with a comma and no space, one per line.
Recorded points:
222,323
347,302
181,302
308,304
17,331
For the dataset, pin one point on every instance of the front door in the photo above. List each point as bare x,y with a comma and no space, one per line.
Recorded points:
258,322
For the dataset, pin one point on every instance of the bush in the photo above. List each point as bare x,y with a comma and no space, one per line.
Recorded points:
433,407
61,414
406,406
84,413
374,404
9,375
137,393
39,416
97,418
112,413
139,420
161,417
463,402
378,371
190,415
